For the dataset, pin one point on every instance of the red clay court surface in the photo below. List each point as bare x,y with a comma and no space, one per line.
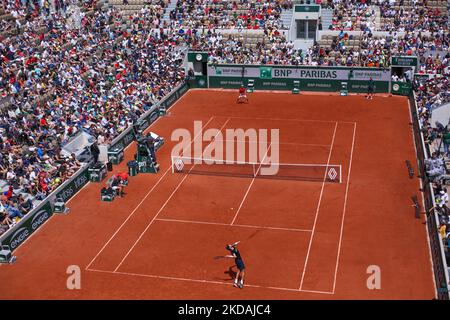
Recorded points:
300,239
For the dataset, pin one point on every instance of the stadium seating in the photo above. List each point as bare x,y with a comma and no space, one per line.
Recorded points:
125,55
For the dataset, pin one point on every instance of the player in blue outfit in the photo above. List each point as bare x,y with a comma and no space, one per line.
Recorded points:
236,255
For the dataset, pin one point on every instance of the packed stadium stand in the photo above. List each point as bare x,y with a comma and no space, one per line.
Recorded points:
97,66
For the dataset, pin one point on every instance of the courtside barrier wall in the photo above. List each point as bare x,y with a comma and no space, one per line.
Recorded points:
15,236
274,77
436,246
126,137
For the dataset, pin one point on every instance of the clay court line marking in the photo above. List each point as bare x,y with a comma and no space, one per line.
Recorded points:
286,92
289,119
250,186
279,119
345,208
303,93
234,225
128,218
151,222
203,281
167,201
138,206
279,143
89,182
317,210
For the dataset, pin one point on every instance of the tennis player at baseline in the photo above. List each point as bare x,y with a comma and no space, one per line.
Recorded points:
239,264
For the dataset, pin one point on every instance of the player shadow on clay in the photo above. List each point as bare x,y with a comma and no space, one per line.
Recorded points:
229,272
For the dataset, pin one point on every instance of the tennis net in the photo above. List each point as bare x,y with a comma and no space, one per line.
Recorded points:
283,171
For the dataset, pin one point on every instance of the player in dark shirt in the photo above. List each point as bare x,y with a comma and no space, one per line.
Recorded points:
370,89
236,255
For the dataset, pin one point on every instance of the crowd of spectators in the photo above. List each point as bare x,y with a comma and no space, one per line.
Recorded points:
57,78
351,15
417,16
96,78
273,48
432,90
239,14
392,15
150,15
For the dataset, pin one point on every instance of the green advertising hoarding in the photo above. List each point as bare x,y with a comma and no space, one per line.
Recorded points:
310,78
198,82
173,97
404,61
265,72
27,226
126,137
194,56
401,88
73,185
123,140
307,8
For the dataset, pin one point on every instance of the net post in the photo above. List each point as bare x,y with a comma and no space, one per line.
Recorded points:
340,173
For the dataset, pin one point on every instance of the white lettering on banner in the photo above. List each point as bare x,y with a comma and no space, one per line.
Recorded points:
80,181
284,84
67,193
366,75
282,73
299,73
18,237
318,85
39,218
153,117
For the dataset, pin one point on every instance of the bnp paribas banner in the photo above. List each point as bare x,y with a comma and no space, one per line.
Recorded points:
308,78
274,72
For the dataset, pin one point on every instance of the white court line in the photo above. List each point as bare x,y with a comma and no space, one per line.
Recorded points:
128,218
317,211
286,92
165,203
89,182
203,281
234,225
345,207
279,119
137,207
249,187
290,119
280,143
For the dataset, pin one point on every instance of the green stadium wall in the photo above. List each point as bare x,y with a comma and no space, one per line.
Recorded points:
308,78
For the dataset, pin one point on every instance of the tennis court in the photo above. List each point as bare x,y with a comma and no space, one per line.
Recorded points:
302,235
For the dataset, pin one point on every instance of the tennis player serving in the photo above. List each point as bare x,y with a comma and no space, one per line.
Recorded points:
236,255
